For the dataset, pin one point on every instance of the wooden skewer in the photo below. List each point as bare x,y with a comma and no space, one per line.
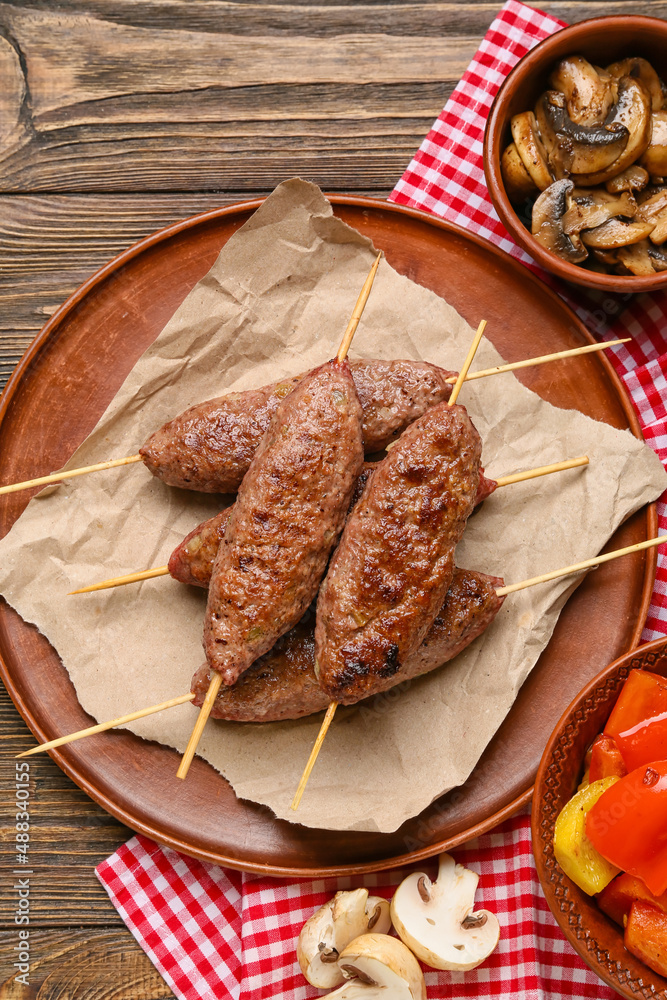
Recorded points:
358,310
333,705
578,567
461,377
216,679
513,366
575,352
500,591
326,722
56,477
149,574
103,726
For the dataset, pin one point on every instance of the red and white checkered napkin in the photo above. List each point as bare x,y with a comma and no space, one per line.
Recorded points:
446,178
215,933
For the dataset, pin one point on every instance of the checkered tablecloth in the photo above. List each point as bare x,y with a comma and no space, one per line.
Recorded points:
216,933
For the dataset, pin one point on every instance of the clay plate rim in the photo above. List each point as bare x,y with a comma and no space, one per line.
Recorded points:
41,341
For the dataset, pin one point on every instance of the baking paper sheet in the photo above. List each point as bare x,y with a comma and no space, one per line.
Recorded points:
275,303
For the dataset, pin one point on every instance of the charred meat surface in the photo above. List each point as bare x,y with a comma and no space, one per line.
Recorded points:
282,684
287,518
209,447
192,561
393,567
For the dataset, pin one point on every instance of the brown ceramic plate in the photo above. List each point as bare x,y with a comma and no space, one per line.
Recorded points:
63,385
591,933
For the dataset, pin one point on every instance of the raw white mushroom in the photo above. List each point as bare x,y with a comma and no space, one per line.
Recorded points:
379,968
324,935
436,919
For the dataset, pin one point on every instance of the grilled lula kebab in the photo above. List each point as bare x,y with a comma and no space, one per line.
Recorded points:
289,512
192,560
394,393
263,665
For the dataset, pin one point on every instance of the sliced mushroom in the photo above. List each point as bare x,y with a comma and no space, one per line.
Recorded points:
658,257
634,178
655,156
518,182
616,233
380,968
436,919
547,227
652,204
530,148
582,149
325,935
641,70
636,258
589,93
589,208
633,112
659,231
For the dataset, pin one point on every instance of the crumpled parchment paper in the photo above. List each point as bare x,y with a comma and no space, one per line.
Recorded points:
275,303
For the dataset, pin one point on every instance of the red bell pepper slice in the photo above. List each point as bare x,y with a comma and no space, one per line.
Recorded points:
628,824
605,760
638,722
646,936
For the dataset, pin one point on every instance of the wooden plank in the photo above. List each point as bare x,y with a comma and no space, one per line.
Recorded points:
69,836
88,965
94,105
51,244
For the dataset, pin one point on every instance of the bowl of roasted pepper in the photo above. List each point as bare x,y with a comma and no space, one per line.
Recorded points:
599,823
575,153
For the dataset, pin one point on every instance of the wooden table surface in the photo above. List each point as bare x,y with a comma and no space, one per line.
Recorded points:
116,119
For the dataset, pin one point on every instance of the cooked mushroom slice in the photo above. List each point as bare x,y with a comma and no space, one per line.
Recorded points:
652,204
588,208
589,93
636,258
658,257
436,919
380,968
324,935
606,257
641,70
616,233
585,149
659,231
655,156
518,182
547,227
635,178
530,148
633,111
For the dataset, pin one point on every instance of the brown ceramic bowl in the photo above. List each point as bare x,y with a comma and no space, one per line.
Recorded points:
602,40
597,939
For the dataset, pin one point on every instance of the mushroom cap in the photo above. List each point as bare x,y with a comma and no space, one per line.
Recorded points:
531,149
589,93
547,225
383,961
435,919
518,182
641,70
655,156
616,233
331,928
633,112
583,149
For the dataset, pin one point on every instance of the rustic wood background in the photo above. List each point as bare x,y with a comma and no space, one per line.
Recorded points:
117,119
